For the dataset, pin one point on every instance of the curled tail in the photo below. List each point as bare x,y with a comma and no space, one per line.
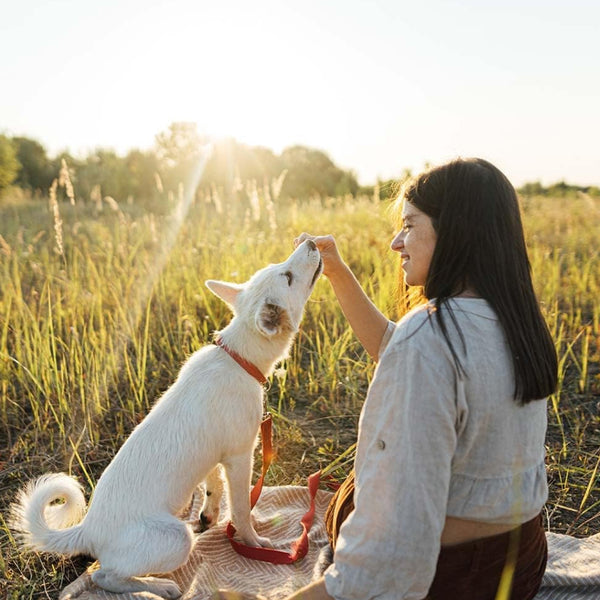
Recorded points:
46,526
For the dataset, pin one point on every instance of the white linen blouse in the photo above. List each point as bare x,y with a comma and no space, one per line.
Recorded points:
433,444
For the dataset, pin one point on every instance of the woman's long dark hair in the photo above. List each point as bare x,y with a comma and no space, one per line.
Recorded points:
480,246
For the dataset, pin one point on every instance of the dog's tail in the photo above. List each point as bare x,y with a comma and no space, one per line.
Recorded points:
45,515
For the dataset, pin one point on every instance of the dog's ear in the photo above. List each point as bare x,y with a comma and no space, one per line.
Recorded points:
224,290
272,319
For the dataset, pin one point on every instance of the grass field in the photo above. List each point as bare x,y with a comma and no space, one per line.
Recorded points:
98,310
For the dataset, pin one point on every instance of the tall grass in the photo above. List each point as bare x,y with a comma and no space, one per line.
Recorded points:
94,328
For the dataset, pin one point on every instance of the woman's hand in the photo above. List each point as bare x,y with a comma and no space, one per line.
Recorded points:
332,261
368,323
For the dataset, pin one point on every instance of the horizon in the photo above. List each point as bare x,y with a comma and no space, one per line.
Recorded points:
400,175
379,87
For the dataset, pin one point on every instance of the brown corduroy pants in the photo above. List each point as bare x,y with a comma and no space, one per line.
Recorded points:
473,570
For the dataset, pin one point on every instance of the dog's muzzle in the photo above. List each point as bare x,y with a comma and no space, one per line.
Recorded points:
318,271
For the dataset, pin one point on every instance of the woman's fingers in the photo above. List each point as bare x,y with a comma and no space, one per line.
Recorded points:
323,242
332,261
302,238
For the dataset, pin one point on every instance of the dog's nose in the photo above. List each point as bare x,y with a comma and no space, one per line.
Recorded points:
311,245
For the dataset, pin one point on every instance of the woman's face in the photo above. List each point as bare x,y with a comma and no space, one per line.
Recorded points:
415,242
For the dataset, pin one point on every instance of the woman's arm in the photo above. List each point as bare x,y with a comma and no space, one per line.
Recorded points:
367,322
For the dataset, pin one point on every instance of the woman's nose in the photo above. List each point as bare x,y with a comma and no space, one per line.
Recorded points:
398,242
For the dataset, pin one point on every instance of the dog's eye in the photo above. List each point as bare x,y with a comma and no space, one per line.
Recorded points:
289,276
208,493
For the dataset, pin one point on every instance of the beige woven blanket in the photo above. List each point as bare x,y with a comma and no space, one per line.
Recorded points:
213,564
573,571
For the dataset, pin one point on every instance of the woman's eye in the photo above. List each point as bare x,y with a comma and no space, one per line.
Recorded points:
289,276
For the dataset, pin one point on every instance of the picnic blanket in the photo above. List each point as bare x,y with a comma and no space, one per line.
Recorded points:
573,571
213,564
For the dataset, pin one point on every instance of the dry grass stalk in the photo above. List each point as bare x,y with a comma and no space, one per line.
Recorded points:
5,247
277,184
64,181
237,185
96,197
270,208
158,183
112,203
217,200
376,193
58,231
254,200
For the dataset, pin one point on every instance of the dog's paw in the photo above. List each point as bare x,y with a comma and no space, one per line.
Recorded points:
172,593
260,542
251,538
165,588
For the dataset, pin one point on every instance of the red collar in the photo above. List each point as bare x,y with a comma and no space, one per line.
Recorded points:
246,365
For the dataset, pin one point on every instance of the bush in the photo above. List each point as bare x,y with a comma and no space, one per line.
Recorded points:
9,165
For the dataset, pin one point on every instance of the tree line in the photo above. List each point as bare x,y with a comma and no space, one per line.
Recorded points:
146,175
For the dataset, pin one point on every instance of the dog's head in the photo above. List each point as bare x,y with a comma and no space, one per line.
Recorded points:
272,301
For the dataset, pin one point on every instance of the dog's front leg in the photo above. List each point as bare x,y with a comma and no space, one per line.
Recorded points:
238,471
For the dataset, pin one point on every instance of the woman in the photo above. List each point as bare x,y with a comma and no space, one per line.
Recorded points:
449,473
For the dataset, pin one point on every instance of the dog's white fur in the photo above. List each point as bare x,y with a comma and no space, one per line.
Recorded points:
209,416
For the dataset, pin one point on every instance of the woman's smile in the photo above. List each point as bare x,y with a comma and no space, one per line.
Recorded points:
415,242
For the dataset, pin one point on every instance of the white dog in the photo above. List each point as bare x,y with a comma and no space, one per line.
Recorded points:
209,416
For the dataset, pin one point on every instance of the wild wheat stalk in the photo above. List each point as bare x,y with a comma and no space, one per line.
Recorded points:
5,247
96,197
217,200
278,184
254,200
158,183
270,207
58,231
64,180
112,203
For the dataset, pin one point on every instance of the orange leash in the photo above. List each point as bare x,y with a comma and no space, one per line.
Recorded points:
299,547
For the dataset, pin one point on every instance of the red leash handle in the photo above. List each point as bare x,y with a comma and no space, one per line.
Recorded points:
299,547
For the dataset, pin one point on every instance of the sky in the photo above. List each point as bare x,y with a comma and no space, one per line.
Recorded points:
380,85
